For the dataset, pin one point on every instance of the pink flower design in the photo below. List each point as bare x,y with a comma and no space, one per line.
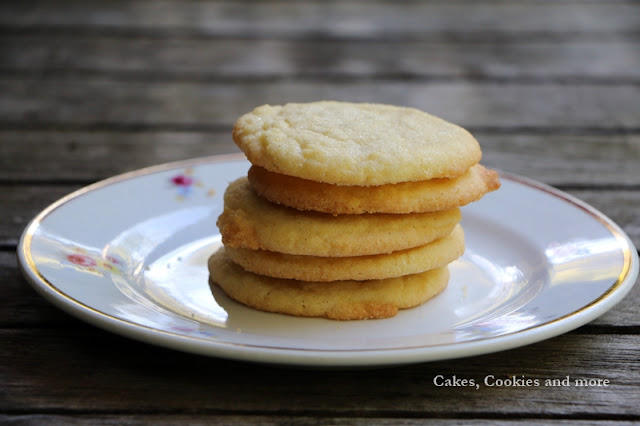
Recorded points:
81,260
182,180
185,184
93,263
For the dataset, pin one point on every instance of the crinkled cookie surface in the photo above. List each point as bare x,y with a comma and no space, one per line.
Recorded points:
354,143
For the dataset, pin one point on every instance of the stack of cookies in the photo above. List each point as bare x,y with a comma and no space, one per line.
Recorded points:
349,211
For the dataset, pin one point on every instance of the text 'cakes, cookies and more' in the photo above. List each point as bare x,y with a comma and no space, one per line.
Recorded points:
349,211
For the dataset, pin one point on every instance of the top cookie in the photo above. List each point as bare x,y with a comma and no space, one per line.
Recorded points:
354,143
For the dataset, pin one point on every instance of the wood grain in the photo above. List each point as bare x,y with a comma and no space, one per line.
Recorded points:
22,306
349,19
203,419
101,103
195,59
43,378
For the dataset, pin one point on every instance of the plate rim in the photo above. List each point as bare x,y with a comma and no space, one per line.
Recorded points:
329,357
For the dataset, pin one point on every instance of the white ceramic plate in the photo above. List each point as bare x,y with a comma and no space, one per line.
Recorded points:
128,254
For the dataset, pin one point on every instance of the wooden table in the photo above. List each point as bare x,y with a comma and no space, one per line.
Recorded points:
550,89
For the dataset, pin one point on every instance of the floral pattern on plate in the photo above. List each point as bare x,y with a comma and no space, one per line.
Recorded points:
85,261
186,183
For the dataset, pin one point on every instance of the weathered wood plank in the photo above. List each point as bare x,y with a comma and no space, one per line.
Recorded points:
21,305
557,159
565,160
275,420
40,370
380,19
168,105
95,155
21,204
183,58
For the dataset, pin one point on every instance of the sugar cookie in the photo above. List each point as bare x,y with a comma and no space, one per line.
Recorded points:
338,300
251,222
312,268
405,197
354,143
